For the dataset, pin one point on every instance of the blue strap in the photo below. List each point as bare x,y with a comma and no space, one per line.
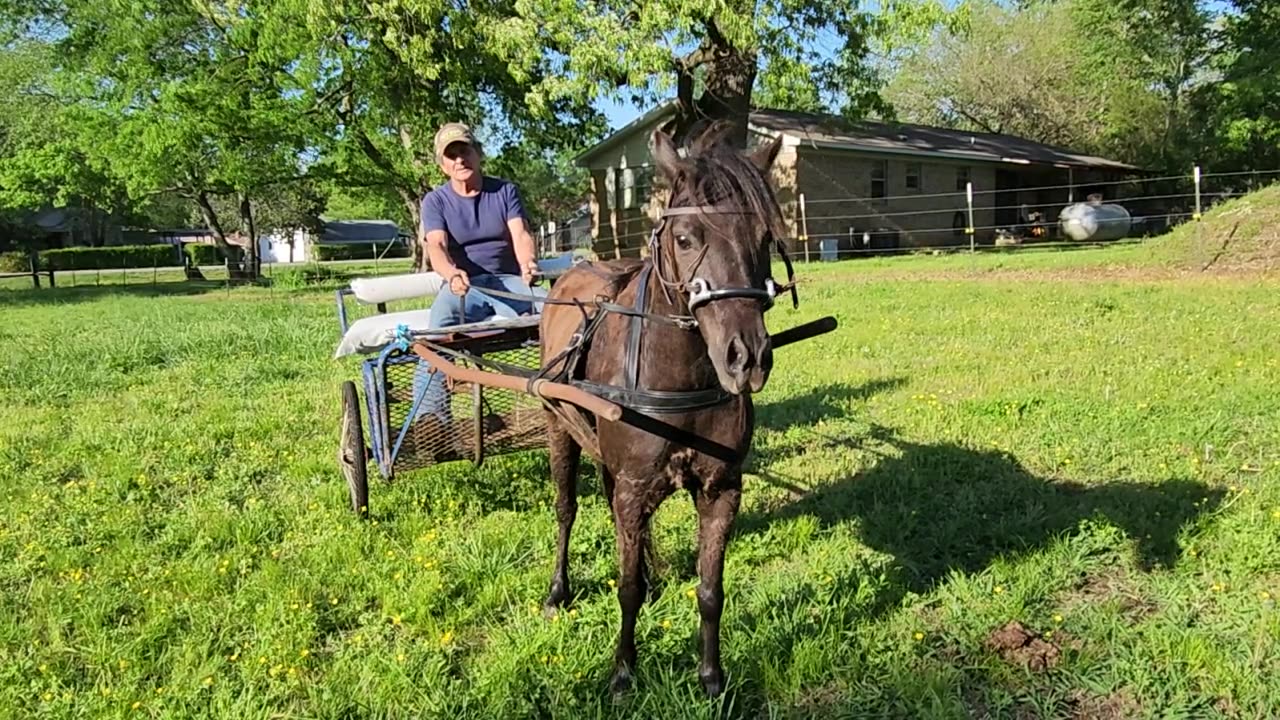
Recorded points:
402,337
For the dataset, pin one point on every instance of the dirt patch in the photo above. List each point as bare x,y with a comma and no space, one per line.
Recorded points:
1019,646
1114,706
1112,587
821,701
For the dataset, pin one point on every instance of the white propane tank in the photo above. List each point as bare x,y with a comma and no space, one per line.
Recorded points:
1094,221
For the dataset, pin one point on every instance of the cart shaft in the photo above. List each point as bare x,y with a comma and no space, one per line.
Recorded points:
542,388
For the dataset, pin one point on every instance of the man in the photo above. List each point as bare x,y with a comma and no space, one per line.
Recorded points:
475,236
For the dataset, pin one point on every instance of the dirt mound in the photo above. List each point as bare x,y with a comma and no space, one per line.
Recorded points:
1018,645
1242,234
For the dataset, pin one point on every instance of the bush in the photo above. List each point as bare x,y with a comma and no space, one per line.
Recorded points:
358,252
14,262
313,274
204,254
109,258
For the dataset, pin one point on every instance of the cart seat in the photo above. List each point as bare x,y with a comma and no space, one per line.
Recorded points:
374,333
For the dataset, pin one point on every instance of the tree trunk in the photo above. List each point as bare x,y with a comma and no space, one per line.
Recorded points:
231,252
727,83
421,263
253,264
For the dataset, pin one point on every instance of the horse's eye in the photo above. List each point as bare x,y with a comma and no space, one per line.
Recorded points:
684,241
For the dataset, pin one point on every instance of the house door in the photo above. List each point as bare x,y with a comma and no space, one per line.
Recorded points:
1007,184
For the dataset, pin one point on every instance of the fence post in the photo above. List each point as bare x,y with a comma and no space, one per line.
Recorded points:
968,198
52,283
33,259
1196,173
804,228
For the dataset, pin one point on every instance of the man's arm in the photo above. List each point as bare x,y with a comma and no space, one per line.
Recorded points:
436,242
525,247
438,253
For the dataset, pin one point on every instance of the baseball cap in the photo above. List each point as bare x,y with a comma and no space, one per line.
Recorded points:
451,133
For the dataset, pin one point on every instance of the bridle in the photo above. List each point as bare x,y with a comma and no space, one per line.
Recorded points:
698,290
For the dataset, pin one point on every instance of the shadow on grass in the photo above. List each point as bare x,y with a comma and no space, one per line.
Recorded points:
940,509
821,403
943,508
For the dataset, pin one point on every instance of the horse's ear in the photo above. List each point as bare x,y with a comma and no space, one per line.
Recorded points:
665,156
764,156
708,134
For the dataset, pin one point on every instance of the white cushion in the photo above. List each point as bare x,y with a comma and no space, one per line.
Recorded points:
371,334
372,291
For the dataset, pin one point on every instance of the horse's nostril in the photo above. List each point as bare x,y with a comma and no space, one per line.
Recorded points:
736,357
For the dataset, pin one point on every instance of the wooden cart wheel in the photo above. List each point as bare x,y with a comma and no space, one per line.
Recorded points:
352,457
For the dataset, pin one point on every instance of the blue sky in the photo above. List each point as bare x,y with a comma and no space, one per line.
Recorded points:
619,112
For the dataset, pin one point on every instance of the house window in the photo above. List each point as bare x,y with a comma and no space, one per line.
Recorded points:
641,186
879,175
912,179
611,189
962,179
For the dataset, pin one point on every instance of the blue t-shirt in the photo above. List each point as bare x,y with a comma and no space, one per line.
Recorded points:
479,241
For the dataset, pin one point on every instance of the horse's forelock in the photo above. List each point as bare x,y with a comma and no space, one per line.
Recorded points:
720,174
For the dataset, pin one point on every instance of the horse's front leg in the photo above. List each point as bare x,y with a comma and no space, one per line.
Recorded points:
716,512
631,526
564,455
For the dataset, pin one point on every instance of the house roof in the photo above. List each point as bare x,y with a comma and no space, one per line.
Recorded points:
834,132
355,232
903,138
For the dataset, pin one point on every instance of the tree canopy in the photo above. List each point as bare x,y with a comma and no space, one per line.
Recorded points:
261,112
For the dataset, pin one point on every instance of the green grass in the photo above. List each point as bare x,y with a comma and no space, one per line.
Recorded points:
1096,459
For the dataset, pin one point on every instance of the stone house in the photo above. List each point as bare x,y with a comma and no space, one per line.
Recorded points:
865,185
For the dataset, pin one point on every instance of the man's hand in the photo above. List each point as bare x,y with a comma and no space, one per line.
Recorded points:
459,283
527,270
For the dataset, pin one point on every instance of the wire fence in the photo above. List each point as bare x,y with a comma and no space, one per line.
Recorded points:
974,220
841,223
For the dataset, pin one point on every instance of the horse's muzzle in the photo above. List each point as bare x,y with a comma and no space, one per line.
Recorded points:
748,358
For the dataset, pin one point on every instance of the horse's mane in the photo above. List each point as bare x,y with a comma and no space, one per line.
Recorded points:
720,173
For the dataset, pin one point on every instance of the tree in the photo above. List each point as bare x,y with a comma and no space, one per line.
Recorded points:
1243,109
709,51
188,99
42,164
1093,75
1151,52
393,72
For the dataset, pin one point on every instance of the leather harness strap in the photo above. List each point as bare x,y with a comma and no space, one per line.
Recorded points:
637,324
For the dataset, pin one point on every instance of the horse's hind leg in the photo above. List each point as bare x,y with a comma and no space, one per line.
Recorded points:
564,454
716,513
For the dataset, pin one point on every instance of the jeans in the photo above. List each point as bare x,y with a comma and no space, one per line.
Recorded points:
449,309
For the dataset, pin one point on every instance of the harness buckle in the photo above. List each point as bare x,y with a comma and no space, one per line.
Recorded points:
699,292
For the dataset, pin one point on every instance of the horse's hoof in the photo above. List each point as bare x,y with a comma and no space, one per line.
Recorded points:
556,599
712,681
621,682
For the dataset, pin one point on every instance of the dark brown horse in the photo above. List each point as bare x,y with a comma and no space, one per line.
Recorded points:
683,364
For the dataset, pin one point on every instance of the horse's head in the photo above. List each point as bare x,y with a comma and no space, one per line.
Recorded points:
713,246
